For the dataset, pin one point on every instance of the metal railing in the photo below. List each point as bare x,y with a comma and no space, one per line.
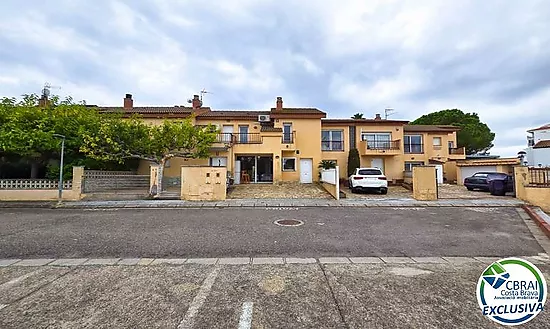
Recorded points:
457,150
414,148
332,145
288,138
384,145
239,138
539,177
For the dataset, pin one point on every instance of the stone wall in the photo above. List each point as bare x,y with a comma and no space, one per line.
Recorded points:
424,183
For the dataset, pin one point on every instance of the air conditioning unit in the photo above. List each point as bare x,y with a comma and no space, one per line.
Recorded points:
264,118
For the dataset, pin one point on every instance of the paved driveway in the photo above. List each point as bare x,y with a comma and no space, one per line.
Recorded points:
232,232
283,190
394,192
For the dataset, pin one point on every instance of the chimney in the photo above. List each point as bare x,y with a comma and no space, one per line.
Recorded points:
279,104
197,103
377,117
128,102
43,101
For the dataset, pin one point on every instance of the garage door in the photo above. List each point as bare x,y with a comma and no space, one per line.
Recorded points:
469,171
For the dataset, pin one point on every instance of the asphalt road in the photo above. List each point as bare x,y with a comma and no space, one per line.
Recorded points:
233,232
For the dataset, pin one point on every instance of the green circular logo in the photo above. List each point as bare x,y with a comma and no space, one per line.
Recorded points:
511,291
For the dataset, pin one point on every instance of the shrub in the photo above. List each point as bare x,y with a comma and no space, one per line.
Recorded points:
354,161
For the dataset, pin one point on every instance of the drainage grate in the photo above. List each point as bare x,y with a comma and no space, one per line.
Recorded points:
288,222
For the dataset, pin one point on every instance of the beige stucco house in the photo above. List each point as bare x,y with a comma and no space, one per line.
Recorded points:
287,143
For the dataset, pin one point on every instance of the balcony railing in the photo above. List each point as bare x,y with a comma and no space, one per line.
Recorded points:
332,145
414,148
383,145
457,150
239,138
288,138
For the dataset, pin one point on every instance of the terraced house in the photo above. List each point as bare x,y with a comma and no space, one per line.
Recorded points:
287,143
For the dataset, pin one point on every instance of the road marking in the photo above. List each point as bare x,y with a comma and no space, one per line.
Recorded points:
246,316
19,279
189,318
3,306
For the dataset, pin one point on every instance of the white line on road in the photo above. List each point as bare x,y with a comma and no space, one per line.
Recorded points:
196,304
246,316
19,279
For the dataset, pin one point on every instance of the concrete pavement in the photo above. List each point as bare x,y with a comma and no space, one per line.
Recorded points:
236,232
270,203
276,296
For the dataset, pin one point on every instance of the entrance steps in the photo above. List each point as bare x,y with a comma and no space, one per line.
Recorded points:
167,195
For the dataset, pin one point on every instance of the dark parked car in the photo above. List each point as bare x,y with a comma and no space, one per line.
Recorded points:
482,180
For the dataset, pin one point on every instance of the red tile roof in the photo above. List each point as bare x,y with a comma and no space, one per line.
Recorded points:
431,128
540,128
542,144
232,114
358,122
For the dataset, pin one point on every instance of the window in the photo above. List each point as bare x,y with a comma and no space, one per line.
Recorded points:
243,134
410,165
289,164
413,144
332,140
437,142
287,133
369,172
218,162
451,145
377,140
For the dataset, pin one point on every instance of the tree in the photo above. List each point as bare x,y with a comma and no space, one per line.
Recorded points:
354,161
475,136
118,139
357,116
27,131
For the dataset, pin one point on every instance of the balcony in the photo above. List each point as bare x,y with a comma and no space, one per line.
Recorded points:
327,146
457,151
414,149
380,147
288,138
239,138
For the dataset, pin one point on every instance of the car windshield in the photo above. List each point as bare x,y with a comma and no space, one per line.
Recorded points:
369,172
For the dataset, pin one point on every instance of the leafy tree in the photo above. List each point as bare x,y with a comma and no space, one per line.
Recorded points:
26,130
357,116
118,139
474,135
354,161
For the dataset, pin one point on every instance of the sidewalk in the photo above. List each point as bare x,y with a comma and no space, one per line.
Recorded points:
266,203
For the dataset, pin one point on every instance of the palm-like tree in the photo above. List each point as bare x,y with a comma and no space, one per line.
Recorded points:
357,116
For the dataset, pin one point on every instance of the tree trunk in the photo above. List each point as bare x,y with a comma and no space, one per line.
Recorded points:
34,169
160,175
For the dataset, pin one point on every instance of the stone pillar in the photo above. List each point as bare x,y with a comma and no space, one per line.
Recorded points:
154,172
277,169
78,179
424,183
521,177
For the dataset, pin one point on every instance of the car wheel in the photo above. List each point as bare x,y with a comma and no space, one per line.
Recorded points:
383,190
470,188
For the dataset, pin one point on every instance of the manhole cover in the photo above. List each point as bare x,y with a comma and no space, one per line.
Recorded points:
288,222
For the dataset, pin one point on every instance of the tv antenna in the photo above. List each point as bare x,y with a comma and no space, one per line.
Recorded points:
388,111
204,91
46,90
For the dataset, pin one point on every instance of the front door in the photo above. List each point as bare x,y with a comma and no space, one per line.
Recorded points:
306,171
377,163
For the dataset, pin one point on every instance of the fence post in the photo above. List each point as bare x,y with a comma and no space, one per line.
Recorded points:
521,179
337,181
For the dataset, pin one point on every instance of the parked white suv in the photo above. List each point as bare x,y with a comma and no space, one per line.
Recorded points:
368,179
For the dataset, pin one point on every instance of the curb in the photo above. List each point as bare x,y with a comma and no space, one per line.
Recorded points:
373,260
545,227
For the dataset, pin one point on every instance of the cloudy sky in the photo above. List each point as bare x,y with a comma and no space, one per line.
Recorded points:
342,56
